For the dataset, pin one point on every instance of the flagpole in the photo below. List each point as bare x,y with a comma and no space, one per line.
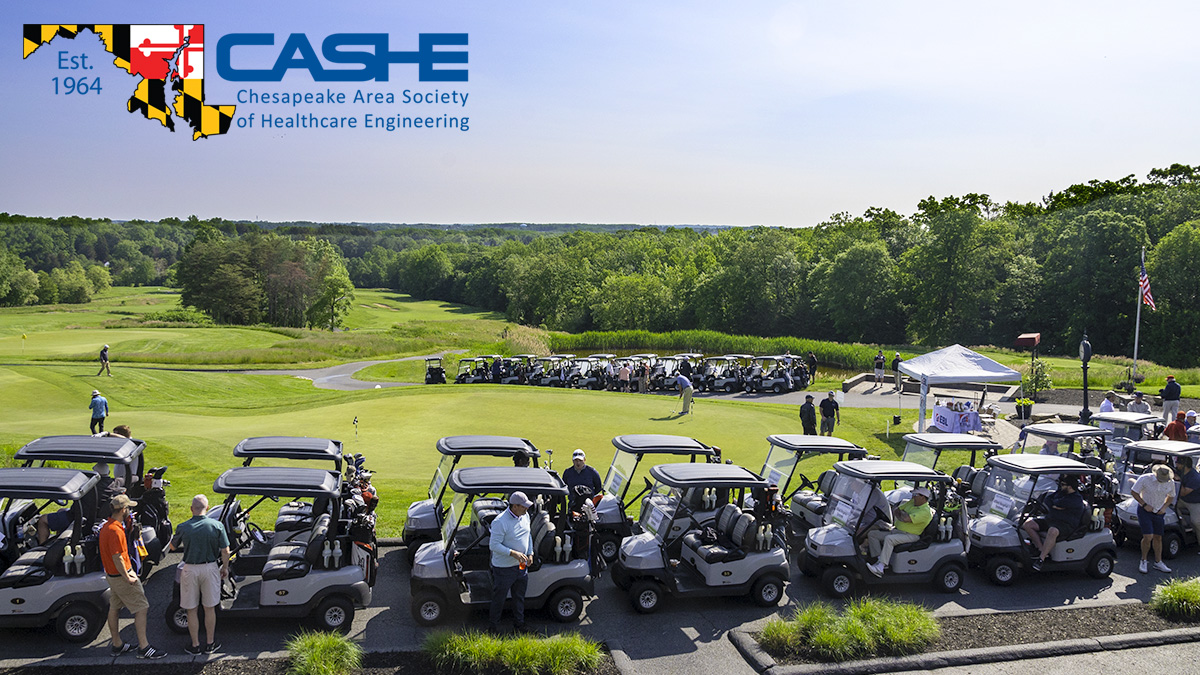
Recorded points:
1137,326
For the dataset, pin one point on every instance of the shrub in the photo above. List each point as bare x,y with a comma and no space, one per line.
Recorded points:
522,655
180,315
321,653
1177,599
868,627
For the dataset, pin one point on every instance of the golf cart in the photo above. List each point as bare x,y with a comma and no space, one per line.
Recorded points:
425,518
473,370
673,556
858,504
586,372
1140,458
721,373
127,458
1083,442
637,360
434,372
807,502
454,572
517,368
927,450
613,524
1128,427
1014,492
664,371
325,571
769,374
61,581
546,372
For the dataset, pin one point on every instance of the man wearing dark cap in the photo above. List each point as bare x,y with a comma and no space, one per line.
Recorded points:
1170,397
1066,510
512,552
808,416
1138,404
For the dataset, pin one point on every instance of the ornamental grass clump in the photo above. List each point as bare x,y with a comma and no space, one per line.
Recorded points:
473,651
1177,599
322,653
867,627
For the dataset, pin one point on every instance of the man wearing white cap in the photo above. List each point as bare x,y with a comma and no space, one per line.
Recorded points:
910,518
104,362
581,474
99,408
512,552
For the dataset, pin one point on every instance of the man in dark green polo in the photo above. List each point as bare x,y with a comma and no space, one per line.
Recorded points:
204,541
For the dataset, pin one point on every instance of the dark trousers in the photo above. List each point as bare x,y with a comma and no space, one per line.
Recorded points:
505,579
97,421
809,429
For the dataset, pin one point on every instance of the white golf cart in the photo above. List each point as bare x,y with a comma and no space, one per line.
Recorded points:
806,503
473,370
721,373
1127,428
965,449
1140,458
770,374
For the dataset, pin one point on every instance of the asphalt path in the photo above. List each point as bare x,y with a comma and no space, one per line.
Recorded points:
685,633
341,377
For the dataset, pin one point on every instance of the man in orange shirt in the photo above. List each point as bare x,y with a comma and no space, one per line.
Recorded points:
126,588
1176,430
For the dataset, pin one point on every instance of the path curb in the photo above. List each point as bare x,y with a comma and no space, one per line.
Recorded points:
762,662
620,658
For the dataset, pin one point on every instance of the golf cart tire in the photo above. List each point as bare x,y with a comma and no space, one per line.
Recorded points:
335,613
646,596
429,608
1100,565
729,388
949,578
1001,571
610,547
176,618
838,581
767,591
1172,545
566,605
79,622
778,388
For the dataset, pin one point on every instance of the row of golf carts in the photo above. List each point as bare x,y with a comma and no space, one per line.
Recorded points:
317,558
729,373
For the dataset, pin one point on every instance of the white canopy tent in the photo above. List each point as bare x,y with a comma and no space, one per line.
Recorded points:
951,365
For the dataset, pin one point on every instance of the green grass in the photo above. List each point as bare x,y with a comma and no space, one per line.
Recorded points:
322,653
867,627
524,655
1177,599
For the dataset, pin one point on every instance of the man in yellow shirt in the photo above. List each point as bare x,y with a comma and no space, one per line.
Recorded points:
911,518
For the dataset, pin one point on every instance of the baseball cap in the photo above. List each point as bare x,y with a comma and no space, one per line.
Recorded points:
1163,473
924,492
1137,394
121,501
95,392
106,346
1170,377
1191,413
808,397
578,454
519,499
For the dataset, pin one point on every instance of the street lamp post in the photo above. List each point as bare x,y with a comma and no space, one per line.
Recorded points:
1085,355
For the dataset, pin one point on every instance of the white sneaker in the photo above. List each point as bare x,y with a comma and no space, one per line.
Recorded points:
876,569
1162,567
1142,567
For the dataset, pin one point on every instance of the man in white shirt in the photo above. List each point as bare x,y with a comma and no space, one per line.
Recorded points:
1138,404
512,552
1154,491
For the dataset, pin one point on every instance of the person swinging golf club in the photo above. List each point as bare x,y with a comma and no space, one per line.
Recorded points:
911,518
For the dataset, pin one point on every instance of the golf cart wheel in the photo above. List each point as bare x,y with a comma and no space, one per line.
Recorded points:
176,618
949,578
335,613
646,596
1172,544
778,388
767,591
566,605
428,608
1101,565
1001,571
610,546
838,581
79,622
729,388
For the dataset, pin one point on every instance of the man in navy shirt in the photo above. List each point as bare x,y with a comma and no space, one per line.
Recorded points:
1189,490
581,474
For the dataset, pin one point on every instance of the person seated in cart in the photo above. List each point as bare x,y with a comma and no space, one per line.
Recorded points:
911,518
1066,508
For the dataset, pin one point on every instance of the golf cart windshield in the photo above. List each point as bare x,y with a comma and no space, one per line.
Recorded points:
1127,433
457,507
849,498
658,510
440,475
1138,461
920,454
1045,445
779,466
617,481
1007,492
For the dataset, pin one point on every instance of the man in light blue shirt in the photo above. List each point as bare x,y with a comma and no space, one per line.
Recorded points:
512,553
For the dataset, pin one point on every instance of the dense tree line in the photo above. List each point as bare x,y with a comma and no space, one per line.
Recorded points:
72,283
958,269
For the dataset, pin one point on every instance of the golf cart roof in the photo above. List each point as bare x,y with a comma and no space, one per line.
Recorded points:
552,357
589,359
432,358
1126,417
471,359
944,441
506,479
523,356
706,475
1039,464
740,356
565,356
85,449
290,447
273,481
886,469
644,356
491,356
721,358
1065,430
46,483
661,444
602,356
494,446
800,443
688,355
1176,448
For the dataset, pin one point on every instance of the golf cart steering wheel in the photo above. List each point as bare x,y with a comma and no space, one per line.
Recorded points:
806,484
255,532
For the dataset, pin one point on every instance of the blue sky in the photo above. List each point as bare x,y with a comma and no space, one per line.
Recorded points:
668,112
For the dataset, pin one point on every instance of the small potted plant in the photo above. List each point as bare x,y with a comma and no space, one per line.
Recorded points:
1024,408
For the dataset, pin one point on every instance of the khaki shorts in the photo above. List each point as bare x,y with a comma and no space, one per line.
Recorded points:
127,595
200,584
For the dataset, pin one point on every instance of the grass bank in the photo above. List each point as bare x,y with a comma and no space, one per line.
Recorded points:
866,627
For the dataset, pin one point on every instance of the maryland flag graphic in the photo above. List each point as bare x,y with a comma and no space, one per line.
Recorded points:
159,55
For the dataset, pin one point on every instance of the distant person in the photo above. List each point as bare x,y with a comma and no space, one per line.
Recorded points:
126,588
496,372
880,368
623,377
811,360
808,416
1154,491
204,543
1050,447
643,377
1170,397
1176,430
104,362
910,518
1189,491
830,414
685,394
896,371
1109,404
1066,509
1138,404
99,408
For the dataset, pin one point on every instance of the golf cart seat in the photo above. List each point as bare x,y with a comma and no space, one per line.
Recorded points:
295,516
1094,462
294,559
964,474
814,502
927,537
36,565
726,519
541,532
485,510
742,538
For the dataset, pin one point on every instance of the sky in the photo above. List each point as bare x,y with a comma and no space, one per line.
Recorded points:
764,113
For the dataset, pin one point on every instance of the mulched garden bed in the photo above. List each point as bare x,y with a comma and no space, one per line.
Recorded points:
387,663
1013,628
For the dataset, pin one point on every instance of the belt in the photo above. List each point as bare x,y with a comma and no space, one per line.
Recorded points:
211,562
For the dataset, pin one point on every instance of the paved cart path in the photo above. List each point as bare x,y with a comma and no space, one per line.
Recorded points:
341,377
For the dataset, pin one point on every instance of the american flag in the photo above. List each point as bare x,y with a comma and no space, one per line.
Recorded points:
1144,284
